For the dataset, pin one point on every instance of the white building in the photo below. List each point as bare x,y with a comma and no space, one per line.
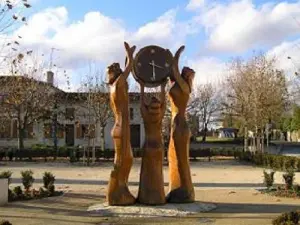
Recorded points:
73,124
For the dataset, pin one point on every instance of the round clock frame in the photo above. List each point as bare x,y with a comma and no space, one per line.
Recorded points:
152,65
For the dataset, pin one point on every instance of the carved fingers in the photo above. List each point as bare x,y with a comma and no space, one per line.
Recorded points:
129,50
178,53
129,58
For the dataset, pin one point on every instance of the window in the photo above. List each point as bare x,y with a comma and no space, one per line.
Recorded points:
60,131
5,129
48,129
70,113
84,130
29,131
131,114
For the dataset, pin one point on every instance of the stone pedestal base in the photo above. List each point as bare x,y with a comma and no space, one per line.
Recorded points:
168,210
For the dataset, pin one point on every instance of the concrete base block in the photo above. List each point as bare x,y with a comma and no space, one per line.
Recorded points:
3,191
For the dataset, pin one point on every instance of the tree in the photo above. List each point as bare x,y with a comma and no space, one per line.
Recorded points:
97,102
11,16
205,104
256,94
27,99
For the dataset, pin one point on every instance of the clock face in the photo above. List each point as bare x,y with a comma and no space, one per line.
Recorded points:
152,65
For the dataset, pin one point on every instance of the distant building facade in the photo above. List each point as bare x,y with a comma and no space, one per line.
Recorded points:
73,124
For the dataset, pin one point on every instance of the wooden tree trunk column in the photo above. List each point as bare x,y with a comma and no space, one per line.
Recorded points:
181,186
151,188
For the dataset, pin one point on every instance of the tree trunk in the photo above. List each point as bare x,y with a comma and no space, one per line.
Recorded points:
54,133
102,138
262,141
21,133
246,139
88,151
204,133
93,152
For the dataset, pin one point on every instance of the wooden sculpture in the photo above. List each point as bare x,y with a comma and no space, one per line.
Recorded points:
181,189
118,192
151,189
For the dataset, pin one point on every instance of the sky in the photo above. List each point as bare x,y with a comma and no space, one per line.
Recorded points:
92,32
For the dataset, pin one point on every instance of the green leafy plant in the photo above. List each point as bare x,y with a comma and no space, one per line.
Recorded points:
289,178
290,218
48,179
51,189
27,179
269,179
5,222
18,191
6,174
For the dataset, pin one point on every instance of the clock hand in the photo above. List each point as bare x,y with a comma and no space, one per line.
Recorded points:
152,64
153,70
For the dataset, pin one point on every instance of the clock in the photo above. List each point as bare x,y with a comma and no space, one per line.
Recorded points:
152,65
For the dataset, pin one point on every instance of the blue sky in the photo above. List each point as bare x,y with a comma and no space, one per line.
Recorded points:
133,13
213,31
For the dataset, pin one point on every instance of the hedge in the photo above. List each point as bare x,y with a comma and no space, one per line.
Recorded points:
275,162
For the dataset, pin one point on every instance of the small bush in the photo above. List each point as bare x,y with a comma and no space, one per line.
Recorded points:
6,174
18,191
27,179
48,179
5,222
51,189
289,178
269,179
34,194
11,195
291,218
43,193
10,155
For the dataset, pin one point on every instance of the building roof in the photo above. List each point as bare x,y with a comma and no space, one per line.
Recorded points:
9,79
70,96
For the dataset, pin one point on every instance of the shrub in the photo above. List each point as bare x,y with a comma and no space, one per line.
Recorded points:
289,178
34,193
275,162
6,174
10,155
48,179
11,195
43,193
5,222
297,189
18,191
2,155
290,218
27,179
51,189
269,179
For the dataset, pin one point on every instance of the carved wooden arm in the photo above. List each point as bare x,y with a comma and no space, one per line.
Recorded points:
177,76
129,56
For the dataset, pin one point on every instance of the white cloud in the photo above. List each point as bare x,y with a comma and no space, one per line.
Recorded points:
208,70
41,25
195,4
237,26
96,37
